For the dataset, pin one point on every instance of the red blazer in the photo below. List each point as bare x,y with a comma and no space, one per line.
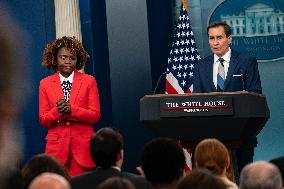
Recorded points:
74,130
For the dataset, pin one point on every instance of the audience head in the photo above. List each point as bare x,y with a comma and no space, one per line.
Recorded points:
42,163
49,181
260,175
107,148
116,183
213,155
162,161
279,162
201,179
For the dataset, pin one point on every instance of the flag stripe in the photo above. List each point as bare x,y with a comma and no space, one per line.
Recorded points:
188,154
181,62
172,86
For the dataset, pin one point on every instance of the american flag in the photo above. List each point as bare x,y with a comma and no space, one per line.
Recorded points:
183,56
181,62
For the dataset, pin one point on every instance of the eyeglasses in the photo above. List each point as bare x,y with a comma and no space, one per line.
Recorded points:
65,57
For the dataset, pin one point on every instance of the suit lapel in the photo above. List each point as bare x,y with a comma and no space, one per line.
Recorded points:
232,66
56,86
210,73
76,85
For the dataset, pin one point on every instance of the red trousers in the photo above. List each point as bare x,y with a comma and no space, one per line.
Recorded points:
74,167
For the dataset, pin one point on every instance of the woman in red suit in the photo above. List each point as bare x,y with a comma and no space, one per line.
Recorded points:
69,105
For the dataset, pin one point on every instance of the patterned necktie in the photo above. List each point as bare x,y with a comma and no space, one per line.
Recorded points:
66,87
221,76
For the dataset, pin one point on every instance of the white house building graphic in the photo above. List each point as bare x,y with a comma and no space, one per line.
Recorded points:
257,20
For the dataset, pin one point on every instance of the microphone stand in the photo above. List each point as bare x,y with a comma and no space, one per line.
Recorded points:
164,73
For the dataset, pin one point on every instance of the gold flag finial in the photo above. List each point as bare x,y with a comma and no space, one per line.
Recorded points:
185,5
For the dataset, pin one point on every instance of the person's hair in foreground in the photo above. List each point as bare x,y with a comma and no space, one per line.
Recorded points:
260,175
14,89
72,44
49,181
105,146
116,183
42,163
213,155
162,161
201,179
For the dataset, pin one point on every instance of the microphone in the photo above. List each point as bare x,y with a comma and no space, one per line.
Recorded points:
164,73
242,78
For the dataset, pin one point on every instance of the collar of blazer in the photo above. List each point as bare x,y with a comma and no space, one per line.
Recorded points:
76,85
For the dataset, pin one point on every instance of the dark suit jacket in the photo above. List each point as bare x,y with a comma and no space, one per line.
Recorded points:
240,64
93,179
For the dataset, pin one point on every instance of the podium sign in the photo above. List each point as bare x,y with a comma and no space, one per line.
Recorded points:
180,106
193,117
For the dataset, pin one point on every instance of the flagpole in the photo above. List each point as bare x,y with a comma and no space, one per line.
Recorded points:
185,5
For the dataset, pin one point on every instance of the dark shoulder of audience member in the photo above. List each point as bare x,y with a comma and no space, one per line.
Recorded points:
201,179
162,161
279,162
106,145
106,148
42,163
116,183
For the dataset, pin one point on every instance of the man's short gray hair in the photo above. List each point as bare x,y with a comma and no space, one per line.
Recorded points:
49,180
260,175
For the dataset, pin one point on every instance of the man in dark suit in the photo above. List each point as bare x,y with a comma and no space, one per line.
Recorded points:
240,72
107,153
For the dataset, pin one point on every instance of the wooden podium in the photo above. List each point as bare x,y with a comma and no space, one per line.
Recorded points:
228,116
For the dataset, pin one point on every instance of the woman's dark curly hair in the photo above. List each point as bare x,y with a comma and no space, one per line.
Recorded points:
49,59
